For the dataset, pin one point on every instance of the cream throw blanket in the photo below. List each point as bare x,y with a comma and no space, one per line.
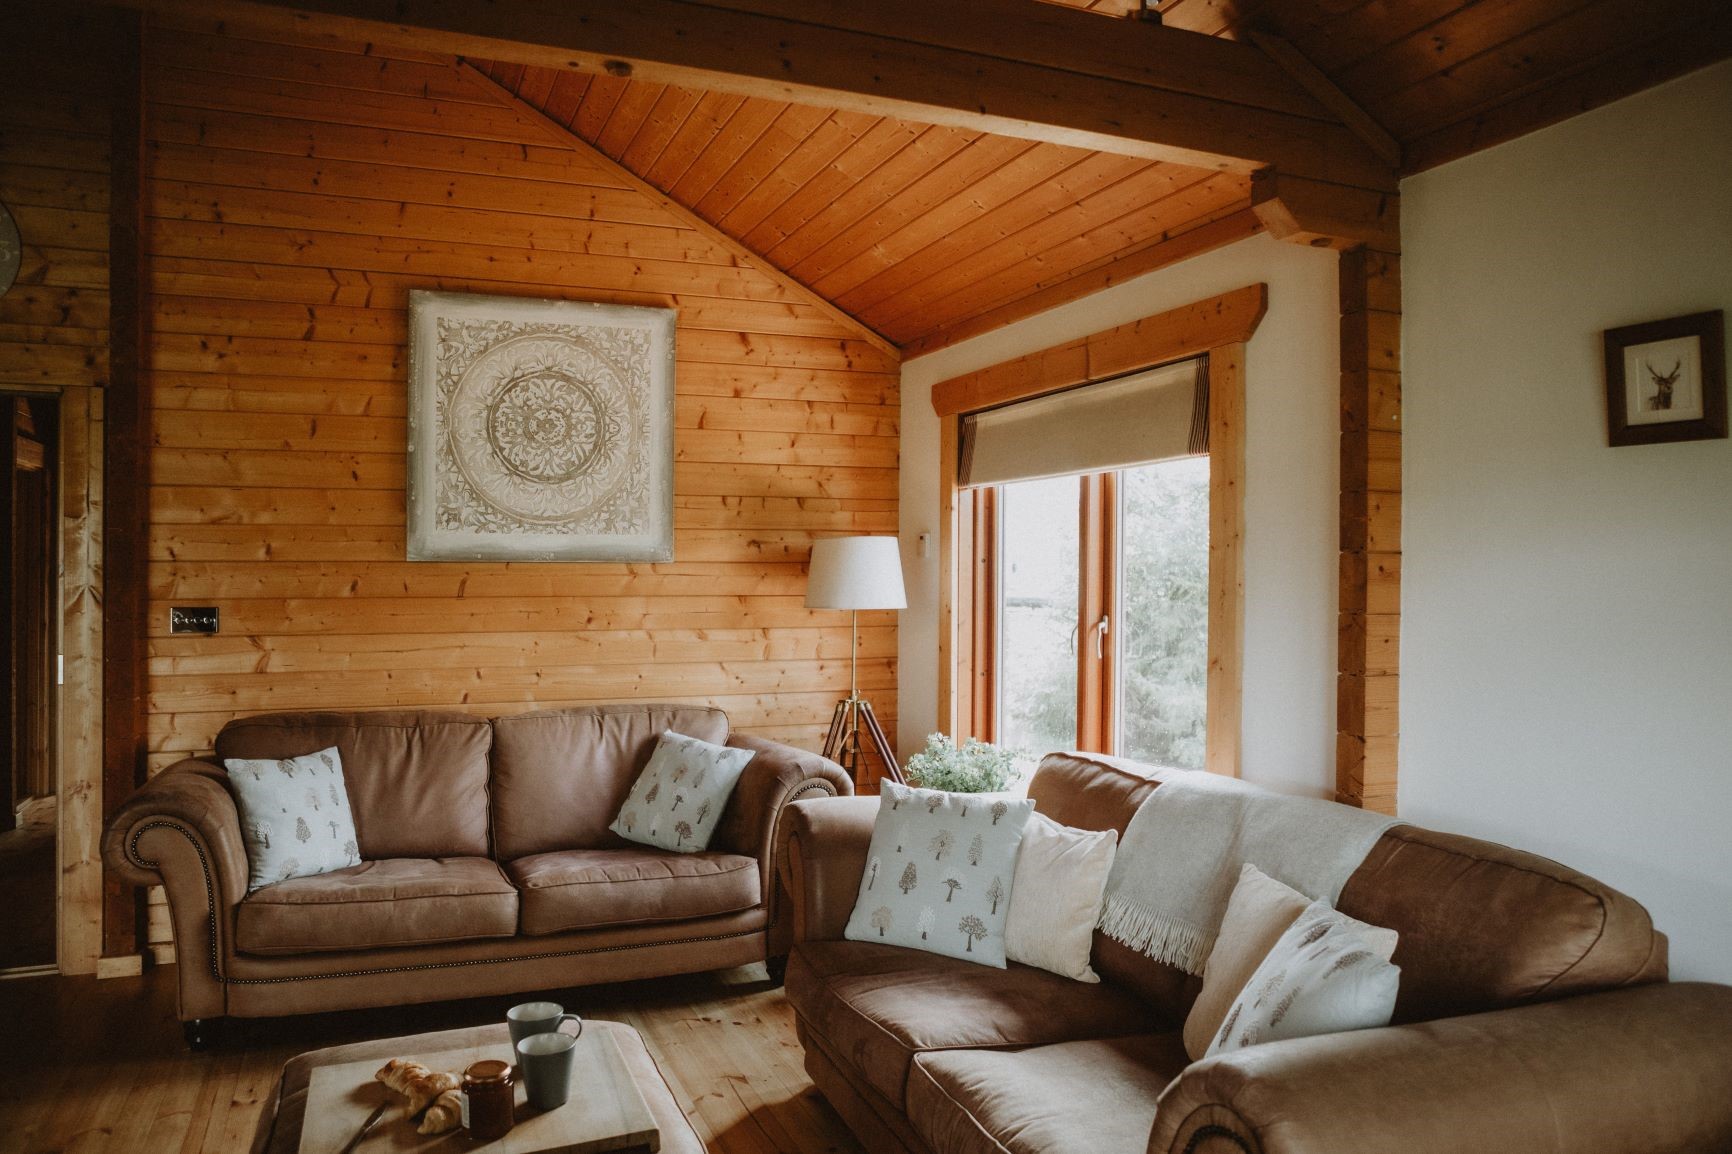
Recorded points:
1180,858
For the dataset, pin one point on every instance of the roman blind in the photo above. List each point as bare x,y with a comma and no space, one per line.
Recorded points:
1154,415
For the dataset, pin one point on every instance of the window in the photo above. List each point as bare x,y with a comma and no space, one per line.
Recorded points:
1100,609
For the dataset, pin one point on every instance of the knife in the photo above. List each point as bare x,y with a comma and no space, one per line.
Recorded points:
365,1127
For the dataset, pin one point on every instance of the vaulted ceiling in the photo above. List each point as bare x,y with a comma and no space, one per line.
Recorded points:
1446,77
930,233
917,230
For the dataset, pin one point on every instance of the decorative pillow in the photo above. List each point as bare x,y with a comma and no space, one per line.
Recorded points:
679,797
1322,977
940,872
1259,912
295,816
1061,874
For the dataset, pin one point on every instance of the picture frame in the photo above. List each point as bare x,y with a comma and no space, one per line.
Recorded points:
1666,380
539,430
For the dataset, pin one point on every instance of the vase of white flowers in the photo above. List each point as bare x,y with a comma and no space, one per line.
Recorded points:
974,767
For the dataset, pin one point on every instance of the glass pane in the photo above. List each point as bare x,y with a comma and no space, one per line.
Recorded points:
1163,620
1037,589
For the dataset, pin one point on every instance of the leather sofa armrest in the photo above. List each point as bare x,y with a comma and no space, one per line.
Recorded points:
1642,1070
181,830
824,855
777,776
189,800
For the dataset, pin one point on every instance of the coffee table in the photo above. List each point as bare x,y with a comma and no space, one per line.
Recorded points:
280,1126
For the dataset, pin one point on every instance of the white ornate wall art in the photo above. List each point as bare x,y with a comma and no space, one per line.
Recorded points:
539,430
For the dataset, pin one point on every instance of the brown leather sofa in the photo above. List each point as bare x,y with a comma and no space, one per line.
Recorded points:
1534,1016
489,867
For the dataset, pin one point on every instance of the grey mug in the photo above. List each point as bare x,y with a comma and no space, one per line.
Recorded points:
530,1018
544,1063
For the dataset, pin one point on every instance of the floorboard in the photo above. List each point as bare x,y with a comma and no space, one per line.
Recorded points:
100,1067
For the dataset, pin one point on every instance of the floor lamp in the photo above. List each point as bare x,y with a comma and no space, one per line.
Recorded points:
856,573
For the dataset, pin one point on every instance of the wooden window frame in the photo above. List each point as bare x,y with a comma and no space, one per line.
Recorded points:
1219,327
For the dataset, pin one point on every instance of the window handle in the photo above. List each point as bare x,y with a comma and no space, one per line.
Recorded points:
1101,628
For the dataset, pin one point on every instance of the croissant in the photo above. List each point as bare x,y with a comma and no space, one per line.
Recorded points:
416,1082
444,1114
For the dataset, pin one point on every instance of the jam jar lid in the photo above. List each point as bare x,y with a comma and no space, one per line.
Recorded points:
488,1072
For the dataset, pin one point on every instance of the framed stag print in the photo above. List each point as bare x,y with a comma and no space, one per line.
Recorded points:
539,430
1666,380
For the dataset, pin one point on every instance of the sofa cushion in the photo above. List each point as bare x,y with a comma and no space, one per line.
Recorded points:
417,779
559,776
378,904
1090,1097
1485,927
585,888
877,1006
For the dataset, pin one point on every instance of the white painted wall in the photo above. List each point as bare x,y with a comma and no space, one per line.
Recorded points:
1567,607
1292,431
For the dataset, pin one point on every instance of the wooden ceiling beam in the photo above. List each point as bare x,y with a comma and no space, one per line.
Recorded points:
1001,66
1315,81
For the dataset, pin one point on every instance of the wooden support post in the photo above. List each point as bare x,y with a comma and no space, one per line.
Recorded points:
126,469
1223,737
1370,589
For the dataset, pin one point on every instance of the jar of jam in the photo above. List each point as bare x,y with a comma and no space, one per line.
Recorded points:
488,1092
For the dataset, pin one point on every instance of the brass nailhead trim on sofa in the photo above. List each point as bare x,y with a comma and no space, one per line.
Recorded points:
1212,1131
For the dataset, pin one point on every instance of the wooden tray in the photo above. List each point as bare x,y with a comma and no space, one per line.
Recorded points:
606,1110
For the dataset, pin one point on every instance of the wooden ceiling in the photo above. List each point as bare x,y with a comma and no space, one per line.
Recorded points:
1447,77
924,233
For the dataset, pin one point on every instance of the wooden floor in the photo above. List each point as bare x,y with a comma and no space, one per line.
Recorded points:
89,1067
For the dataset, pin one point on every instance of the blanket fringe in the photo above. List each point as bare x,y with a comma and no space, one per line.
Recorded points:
1156,935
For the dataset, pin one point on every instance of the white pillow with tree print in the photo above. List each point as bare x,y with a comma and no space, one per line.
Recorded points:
679,797
1323,976
295,816
939,872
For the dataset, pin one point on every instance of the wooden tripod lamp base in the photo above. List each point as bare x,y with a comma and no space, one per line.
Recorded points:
843,745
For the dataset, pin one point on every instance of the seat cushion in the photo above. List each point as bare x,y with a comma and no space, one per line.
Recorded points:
417,779
393,902
559,776
584,888
877,1006
1090,1097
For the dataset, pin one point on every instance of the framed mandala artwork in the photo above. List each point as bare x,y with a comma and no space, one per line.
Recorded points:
539,430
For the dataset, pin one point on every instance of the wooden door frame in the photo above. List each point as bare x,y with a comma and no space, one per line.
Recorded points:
78,758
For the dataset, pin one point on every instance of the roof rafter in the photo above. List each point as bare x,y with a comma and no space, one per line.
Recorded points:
1003,66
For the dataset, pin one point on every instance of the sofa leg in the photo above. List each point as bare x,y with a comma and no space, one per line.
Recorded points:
199,1033
778,968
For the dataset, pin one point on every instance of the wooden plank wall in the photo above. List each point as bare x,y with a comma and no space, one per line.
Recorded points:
293,198
54,165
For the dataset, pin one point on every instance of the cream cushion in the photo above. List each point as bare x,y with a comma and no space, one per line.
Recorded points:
1322,977
1061,874
1259,912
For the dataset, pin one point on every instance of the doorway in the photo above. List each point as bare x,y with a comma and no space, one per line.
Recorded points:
30,652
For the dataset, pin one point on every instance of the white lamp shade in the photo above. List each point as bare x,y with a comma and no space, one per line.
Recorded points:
855,573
